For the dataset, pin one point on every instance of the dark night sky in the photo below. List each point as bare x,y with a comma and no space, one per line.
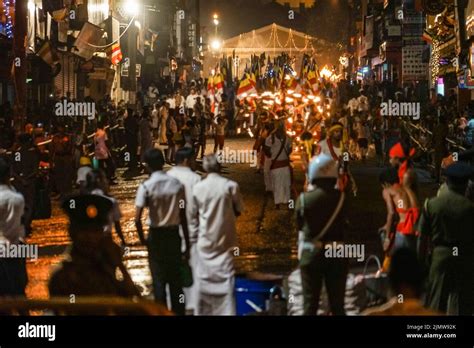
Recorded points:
240,16
327,20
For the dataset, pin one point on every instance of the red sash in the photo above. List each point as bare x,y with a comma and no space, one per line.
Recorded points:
343,179
331,149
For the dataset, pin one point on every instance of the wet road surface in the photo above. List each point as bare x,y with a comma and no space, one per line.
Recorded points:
259,249
267,237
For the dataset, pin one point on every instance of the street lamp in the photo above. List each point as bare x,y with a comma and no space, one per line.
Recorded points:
216,21
131,7
31,5
216,44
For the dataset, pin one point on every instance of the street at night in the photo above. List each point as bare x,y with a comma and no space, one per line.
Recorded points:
267,242
245,158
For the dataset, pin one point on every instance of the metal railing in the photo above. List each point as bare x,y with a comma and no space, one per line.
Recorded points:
90,136
426,131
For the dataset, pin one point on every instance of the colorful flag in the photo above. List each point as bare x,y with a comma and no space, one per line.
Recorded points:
219,83
210,86
253,80
293,84
116,54
246,87
312,79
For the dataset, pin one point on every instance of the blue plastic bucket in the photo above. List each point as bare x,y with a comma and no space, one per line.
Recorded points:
250,293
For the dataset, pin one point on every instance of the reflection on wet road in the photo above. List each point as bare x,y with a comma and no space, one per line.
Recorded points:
262,246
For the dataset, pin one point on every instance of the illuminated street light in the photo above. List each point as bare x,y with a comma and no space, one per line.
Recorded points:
131,7
31,5
216,21
216,44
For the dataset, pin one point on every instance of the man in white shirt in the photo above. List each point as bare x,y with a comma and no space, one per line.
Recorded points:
278,148
171,101
217,204
353,105
191,101
13,277
182,171
363,102
165,198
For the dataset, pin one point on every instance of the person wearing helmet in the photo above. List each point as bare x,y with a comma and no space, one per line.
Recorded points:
320,216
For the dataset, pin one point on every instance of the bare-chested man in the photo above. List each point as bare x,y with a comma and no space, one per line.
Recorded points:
402,201
400,159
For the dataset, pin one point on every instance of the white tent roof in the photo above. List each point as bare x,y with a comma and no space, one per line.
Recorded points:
273,39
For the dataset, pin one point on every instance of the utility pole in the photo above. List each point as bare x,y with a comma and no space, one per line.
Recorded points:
350,32
19,62
132,69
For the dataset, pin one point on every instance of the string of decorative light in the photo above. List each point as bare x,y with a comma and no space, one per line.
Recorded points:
290,36
270,39
278,39
253,39
434,61
275,40
300,49
9,24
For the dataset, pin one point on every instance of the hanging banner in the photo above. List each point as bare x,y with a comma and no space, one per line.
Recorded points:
413,67
89,37
369,32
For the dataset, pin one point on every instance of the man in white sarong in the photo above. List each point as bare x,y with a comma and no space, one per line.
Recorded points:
182,171
267,174
278,148
217,203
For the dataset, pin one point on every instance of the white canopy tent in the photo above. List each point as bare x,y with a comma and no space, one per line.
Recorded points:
273,40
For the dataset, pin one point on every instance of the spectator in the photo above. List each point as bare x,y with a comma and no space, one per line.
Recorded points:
163,196
183,172
13,276
217,203
93,259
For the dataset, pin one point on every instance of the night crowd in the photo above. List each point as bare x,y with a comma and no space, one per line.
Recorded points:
78,160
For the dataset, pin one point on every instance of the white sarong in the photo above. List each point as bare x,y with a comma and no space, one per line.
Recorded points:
267,174
281,180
